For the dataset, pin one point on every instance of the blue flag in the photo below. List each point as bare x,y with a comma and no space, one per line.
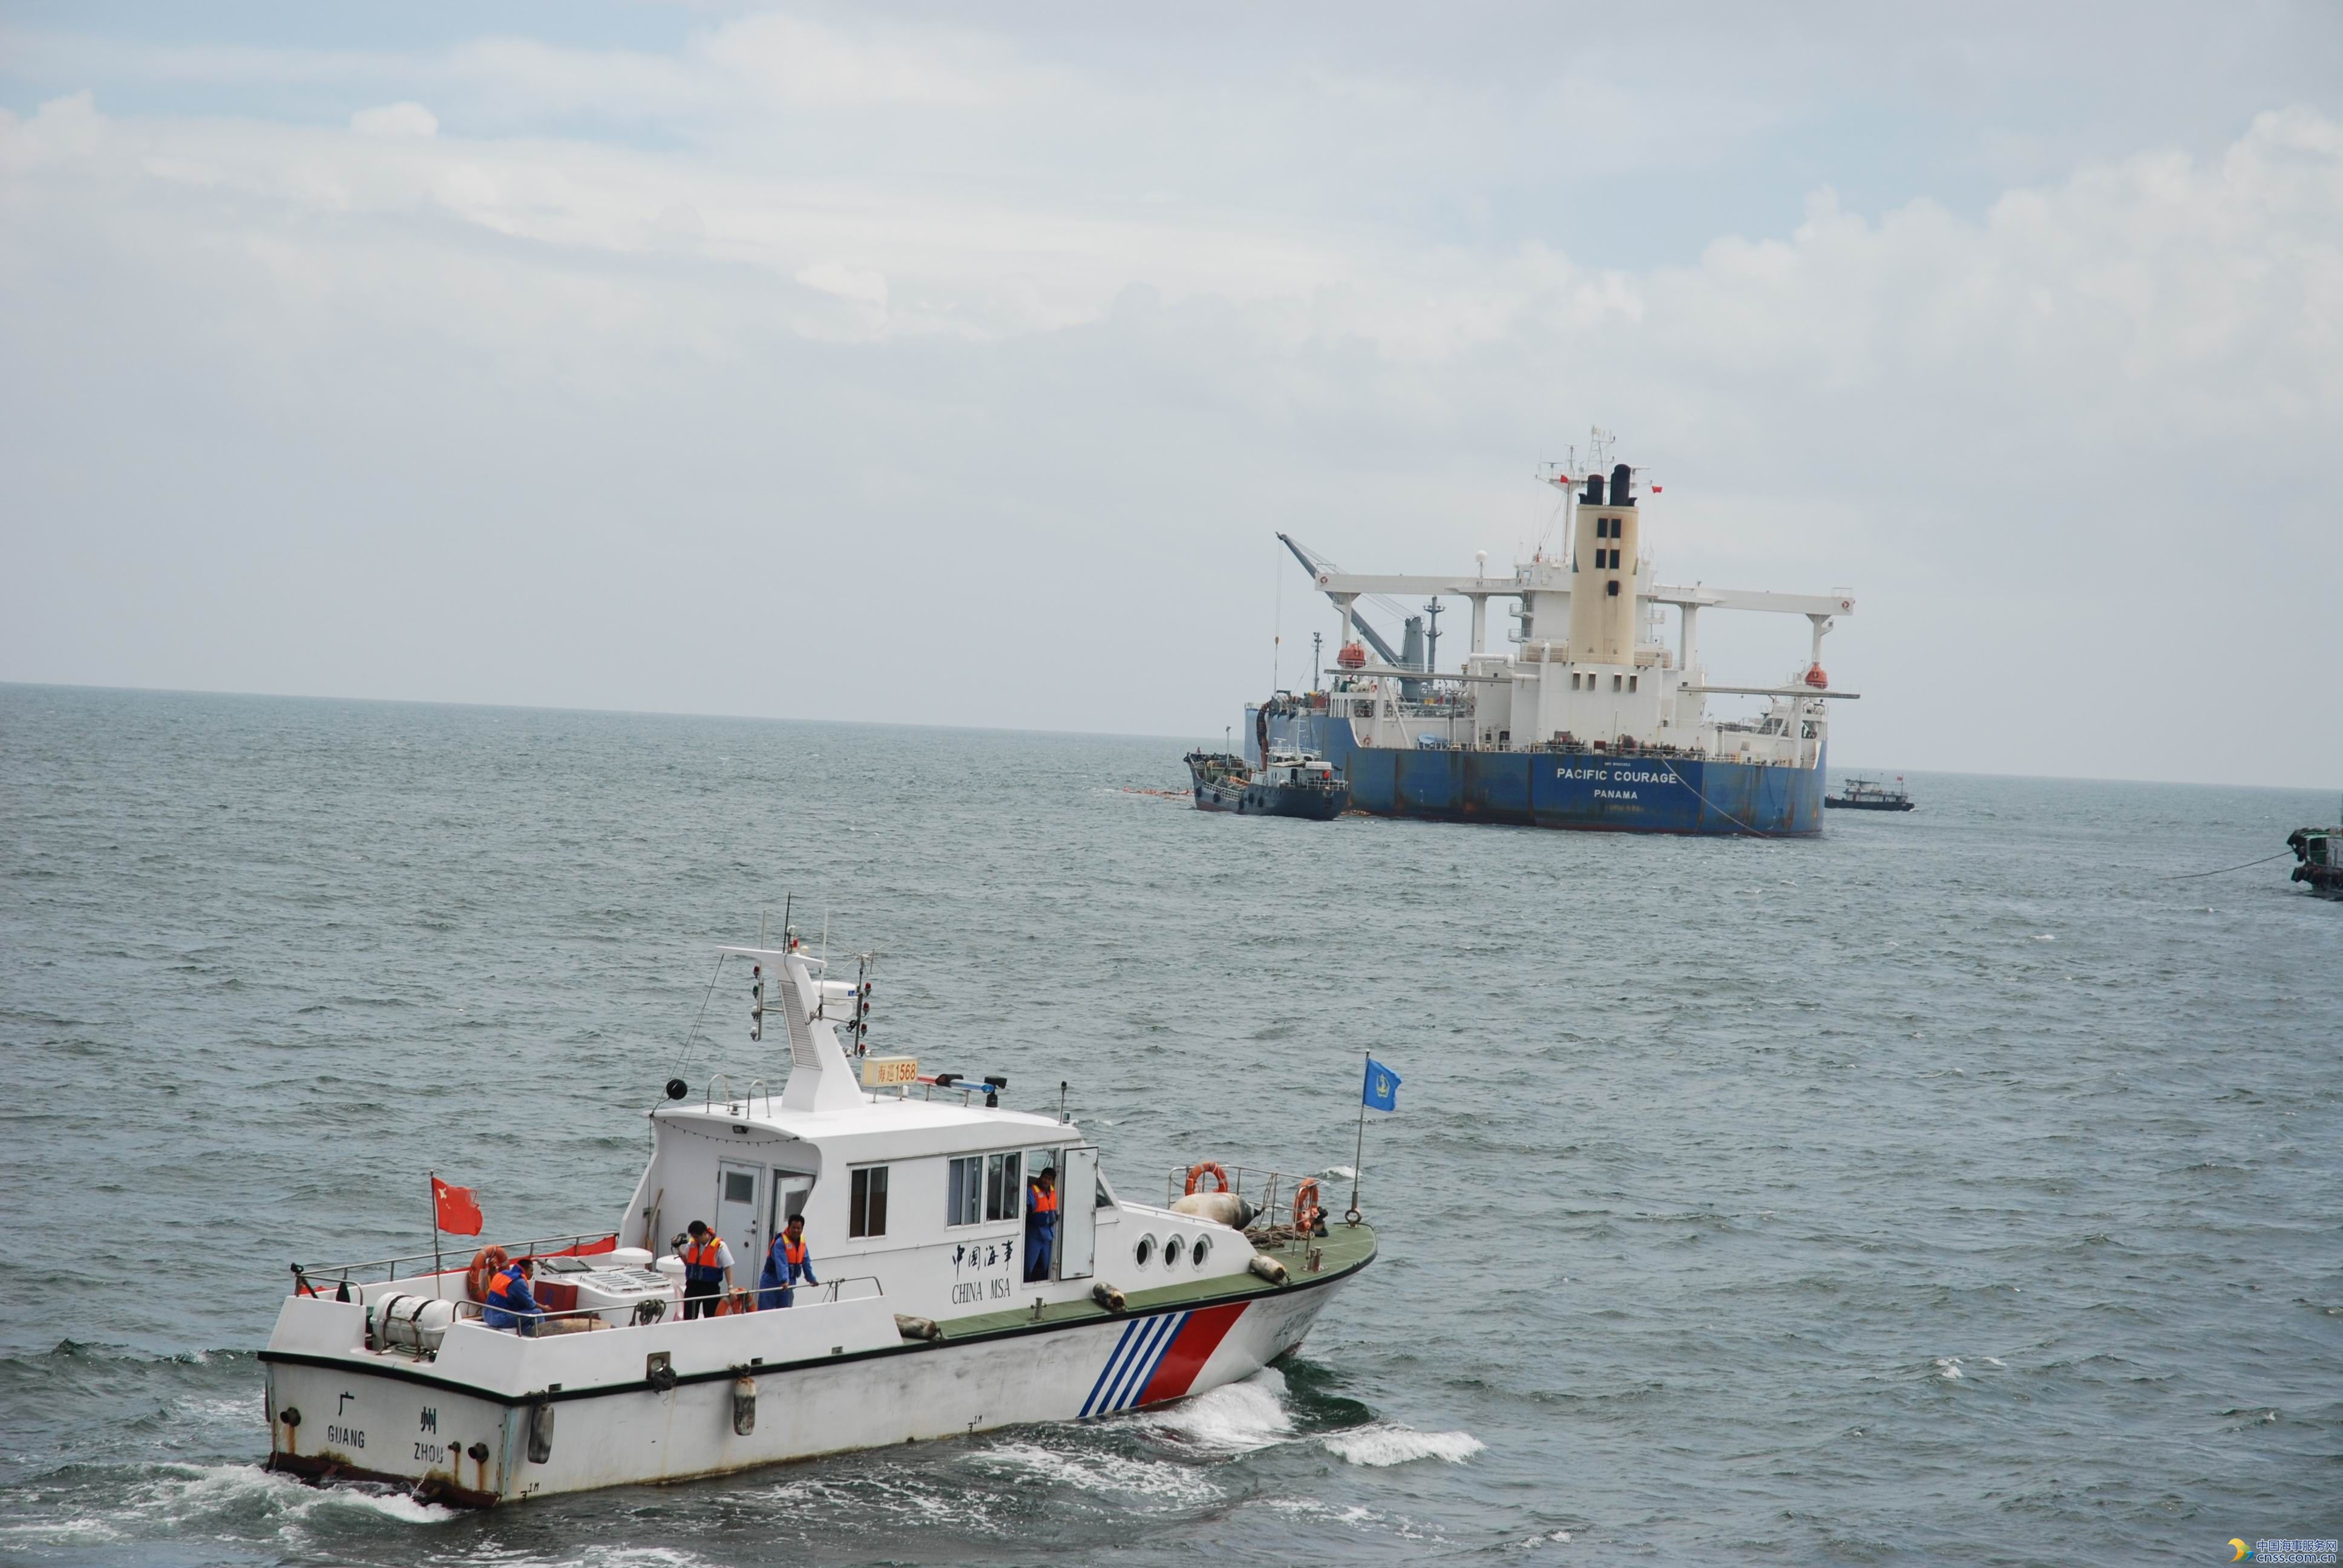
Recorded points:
1382,1091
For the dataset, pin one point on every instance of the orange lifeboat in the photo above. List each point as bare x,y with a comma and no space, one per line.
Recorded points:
1816,679
1354,656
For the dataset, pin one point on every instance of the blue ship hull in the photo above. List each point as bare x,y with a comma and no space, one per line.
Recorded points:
1566,790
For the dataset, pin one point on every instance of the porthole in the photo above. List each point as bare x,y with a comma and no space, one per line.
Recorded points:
1173,1247
1145,1254
1203,1247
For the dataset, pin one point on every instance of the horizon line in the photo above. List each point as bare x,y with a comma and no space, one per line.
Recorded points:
958,729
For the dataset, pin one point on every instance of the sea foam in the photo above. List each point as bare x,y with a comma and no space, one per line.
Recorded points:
1384,1442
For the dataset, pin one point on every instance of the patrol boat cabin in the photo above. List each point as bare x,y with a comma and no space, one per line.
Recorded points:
926,1323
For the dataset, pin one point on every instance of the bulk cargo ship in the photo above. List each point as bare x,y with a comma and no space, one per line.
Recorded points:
1591,720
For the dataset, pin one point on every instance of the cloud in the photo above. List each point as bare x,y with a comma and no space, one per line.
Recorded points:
846,283
429,415
396,120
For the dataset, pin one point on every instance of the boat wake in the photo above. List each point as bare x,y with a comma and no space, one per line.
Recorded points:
211,1501
1386,1442
1235,1418
1093,1471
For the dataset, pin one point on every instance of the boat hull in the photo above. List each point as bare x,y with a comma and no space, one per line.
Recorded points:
1216,791
471,1446
1585,790
1832,802
1259,801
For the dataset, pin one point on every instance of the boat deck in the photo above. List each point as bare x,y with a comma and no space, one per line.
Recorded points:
1344,1249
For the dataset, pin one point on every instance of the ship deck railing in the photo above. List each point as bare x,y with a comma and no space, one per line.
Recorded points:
386,1269
1269,1191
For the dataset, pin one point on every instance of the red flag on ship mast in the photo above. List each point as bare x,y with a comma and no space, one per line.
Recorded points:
456,1209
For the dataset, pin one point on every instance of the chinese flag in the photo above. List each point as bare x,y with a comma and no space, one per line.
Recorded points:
458,1212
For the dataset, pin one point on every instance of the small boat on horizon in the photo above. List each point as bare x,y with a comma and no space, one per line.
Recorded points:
2318,860
1869,795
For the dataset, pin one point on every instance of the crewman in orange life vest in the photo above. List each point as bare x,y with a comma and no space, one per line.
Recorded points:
510,1304
707,1268
1041,1223
786,1262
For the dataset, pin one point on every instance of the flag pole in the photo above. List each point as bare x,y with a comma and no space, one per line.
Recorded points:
1358,1152
434,1175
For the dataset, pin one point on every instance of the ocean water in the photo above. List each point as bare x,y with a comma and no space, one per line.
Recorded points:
1955,1188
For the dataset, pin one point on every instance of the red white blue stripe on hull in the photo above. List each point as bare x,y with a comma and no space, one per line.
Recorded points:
1158,1358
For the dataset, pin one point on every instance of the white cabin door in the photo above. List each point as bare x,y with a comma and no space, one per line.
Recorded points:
1077,1213
736,1214
790,1192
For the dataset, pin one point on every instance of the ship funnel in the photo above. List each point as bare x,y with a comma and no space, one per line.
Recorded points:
1623,479
1594,496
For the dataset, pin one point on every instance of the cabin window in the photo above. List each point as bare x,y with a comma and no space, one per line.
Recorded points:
1203,1246
739,1187
964,1194
1171,1251
1631,682
1145,1254
1615,588
1615,683
866,1201
1004,1194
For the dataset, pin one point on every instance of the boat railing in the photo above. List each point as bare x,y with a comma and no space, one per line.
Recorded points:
316,1275
853,1288
1271,1192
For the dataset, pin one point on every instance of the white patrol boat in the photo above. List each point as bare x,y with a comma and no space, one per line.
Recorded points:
913,1189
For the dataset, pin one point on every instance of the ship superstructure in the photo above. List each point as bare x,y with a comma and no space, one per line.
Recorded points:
1594,719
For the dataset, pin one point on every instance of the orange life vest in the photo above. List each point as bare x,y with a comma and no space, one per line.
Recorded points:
500,1287
794,1251
1045,1199
703,1261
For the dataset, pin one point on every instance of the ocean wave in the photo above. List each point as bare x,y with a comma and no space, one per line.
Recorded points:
1386,1442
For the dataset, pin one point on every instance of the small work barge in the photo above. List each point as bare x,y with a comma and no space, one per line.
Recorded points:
1870,795
1292,784
2319,859
936,1316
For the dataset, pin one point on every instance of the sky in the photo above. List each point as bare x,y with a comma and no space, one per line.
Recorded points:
940,365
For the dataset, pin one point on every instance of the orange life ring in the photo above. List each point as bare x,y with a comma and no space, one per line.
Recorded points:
488,1262
1306,1211
1203,1168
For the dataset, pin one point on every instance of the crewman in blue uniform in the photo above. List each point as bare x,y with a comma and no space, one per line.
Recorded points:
1041,1223
786,1262
510,1304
